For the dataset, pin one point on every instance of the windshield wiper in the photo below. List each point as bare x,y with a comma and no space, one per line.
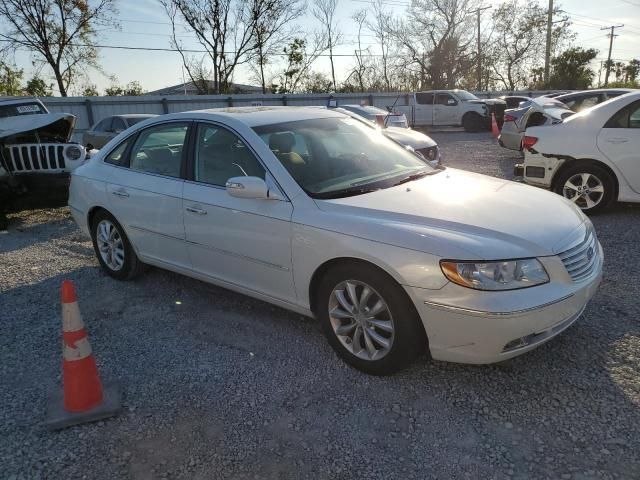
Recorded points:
415,176
347,192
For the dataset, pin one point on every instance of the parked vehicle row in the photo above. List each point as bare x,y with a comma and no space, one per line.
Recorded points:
548,110
323,214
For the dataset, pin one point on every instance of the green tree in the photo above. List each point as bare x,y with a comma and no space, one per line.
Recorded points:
58,33
113,91
133,89
317,82
10,80
570,70
89,90
37,87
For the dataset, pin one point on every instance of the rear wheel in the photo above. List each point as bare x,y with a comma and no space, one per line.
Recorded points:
369,320
590,187
113,249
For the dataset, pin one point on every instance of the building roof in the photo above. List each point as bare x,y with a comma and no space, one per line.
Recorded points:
190,88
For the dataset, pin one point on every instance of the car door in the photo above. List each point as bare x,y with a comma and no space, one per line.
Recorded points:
145,192
424,108
242,241
93,136
619,141
445,109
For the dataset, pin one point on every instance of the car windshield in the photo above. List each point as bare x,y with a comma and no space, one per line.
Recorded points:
338,157
16,110
464,95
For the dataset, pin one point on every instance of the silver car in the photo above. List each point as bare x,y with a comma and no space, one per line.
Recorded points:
107,128
367,111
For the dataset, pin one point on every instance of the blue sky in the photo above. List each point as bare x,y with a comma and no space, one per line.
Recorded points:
143,23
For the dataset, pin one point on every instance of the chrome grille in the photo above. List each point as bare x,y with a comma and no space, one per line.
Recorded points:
581,259
44,157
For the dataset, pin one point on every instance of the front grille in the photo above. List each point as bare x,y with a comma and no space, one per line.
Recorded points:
34,157
581,259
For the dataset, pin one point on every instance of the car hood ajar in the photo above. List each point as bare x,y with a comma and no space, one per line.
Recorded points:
50,126
457,214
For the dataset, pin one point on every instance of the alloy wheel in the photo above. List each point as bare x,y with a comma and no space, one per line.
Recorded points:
110,245
584,189
361,320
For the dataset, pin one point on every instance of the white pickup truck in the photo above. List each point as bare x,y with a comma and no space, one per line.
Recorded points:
449,107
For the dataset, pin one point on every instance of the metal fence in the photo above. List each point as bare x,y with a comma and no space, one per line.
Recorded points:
90,110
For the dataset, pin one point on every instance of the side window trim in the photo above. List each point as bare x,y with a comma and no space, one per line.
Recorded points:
190,167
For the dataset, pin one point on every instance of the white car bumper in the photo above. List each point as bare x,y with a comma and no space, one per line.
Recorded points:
540,170
461,332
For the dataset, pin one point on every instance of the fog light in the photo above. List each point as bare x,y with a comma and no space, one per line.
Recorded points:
535,172
514,344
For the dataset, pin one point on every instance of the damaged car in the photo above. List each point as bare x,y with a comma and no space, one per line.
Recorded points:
36,150
591,158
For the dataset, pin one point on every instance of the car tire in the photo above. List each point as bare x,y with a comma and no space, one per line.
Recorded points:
359,341
472,122
590,187
113,249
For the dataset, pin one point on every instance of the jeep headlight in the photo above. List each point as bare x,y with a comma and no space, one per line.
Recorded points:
73,152
504,275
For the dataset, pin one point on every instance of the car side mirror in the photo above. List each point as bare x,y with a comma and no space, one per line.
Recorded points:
248,187
118,130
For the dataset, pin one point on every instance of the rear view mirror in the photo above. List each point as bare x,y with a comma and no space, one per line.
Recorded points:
247,187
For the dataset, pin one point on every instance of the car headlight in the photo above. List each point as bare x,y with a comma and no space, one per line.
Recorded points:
506,275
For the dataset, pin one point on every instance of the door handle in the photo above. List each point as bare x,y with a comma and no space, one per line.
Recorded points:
120,193
617,140
196,210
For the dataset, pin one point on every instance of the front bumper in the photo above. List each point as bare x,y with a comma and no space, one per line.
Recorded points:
459,331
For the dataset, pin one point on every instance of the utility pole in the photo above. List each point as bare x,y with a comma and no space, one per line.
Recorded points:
547,53
611,35
477,12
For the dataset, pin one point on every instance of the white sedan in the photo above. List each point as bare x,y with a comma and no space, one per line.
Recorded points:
316,212
592,158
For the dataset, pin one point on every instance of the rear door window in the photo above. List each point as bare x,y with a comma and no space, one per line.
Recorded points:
158,149
424,98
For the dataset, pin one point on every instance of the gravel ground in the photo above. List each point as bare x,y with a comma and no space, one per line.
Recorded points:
223,386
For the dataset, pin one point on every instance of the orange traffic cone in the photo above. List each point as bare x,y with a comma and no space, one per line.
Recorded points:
494,126
83,398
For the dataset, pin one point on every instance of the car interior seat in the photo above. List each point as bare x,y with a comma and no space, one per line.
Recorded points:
281,144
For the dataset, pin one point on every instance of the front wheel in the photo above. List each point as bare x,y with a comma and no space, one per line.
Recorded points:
113,249
472,122
590,187
369,319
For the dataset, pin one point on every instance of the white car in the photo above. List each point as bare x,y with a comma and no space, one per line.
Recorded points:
591,158
318,213
393,119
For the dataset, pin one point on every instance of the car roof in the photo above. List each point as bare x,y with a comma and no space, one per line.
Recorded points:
621,91
263,115
135,115
14,101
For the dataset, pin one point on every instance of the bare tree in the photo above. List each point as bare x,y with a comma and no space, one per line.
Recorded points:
324,11
379,24
437,37
520,28
224,28
360,69
299,62
60,33
272,21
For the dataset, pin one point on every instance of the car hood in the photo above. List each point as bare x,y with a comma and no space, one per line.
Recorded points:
56,127
461,215
409,137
